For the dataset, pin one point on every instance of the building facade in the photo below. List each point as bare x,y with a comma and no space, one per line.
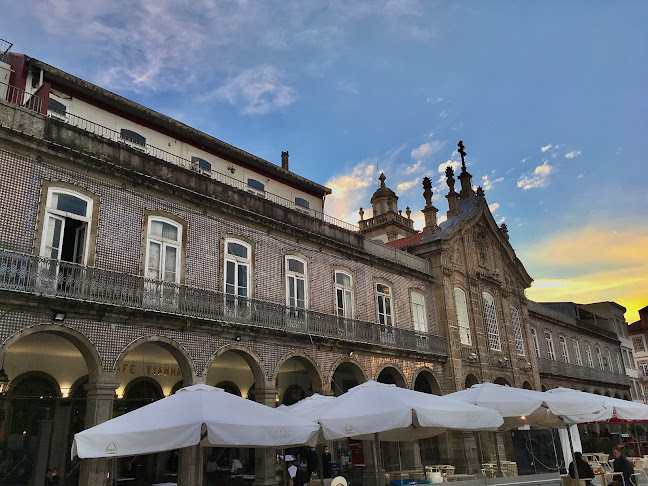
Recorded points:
639,337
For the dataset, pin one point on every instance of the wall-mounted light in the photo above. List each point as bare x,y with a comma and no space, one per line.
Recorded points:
59,316
523,417
237,338
350,354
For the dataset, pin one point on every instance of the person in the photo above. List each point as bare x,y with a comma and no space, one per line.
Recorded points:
583,468
623,466
52,478
237,466
211,469
326,462
129,470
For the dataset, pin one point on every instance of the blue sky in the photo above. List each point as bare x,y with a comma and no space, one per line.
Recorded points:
549,98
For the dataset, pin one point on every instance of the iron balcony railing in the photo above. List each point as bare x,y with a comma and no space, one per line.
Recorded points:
20,97
21,272
569,370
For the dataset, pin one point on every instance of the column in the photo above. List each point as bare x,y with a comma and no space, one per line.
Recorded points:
411,455
99,407
190,466
265,458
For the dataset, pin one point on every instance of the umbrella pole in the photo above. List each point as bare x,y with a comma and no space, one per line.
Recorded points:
378,458
497,455
571,448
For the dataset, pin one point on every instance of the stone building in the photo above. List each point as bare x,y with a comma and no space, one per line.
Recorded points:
639,336
138,255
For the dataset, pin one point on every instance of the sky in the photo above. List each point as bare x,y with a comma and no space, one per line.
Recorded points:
548,97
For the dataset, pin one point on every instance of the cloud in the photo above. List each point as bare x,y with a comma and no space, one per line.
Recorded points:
455,164
487,184
443,114
580,176
350,191
413,168
538,178
596,262
493,207
572,154
404,186
348,87
545,148
501,220
426,149
434,100
258,90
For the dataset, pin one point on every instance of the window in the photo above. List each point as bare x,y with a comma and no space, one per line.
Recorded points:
491,322
254,184
536,346
344,295
238,262
638,344
643,367
56,108
133,138
630,359
302,205
65,230
618,362
626,361
384,301
610,364
599,358
462,316
418,312
296,290
201,166
163,250
550,347
588,353
517,331
563,348
577,353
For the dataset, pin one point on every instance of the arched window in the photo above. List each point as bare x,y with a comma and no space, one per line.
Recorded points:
238,263
619,364
563,348
588,354
491,322
417,303
577,353
517,331
536,346
462,316
610,364
344,294
164,243
599,358
384,302
65,232
296,283
551,354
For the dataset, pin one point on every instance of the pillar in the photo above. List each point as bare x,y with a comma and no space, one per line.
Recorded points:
99,407
58,446
265,458
411,455
190,466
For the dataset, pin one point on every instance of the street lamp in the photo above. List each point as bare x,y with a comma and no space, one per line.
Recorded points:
4,379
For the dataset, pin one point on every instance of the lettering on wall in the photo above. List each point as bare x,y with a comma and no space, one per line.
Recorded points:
149,369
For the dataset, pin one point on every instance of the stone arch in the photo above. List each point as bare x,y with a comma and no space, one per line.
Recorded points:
249,356
144,379
543,388
500,380
395,372
427,375
80,341
33,374
527,385
314,371
470,380
359,372
616,395
608,394
626,397
78,384
229,387
176,349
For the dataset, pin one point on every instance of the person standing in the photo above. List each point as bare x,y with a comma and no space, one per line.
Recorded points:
326,462
623,466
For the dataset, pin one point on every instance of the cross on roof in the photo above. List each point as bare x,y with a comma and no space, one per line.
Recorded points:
462,152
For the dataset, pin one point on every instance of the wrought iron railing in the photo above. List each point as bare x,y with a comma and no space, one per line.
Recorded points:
569,370
20,272
20,97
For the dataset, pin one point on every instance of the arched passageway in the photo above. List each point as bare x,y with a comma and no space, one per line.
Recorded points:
345,376
391,376
297,377
470,381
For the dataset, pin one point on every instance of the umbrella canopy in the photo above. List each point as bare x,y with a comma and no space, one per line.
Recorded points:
622,409
395,414
179,421
529,407
307,408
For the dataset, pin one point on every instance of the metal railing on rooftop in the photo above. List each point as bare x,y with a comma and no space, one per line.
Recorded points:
20,272
20,97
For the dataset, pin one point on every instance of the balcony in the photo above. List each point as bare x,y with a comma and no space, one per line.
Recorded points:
568,370
25,273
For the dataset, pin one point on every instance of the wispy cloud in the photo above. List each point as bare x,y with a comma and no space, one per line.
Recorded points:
488,184
443,114
426,149
545,148
404,186
493,207
413,169
257,90
537,178
434,100
572,154
350,191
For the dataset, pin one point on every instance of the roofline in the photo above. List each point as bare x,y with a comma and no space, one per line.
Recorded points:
171,124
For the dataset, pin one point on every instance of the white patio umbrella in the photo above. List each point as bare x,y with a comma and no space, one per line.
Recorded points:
191,414
622,409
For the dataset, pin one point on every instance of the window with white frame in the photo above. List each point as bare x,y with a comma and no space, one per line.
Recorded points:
296,282
563,348
536,346
610,364
551,354
384,302
417,302
643,367
599,358
638,344
491,322
517,331
344,294
163,250
462,316
66,226
626,361
238,266
619,364
630,359
577,353
588,354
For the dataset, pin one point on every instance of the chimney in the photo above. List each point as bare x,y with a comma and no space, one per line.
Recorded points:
430,212
284,160
465,178
453,198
